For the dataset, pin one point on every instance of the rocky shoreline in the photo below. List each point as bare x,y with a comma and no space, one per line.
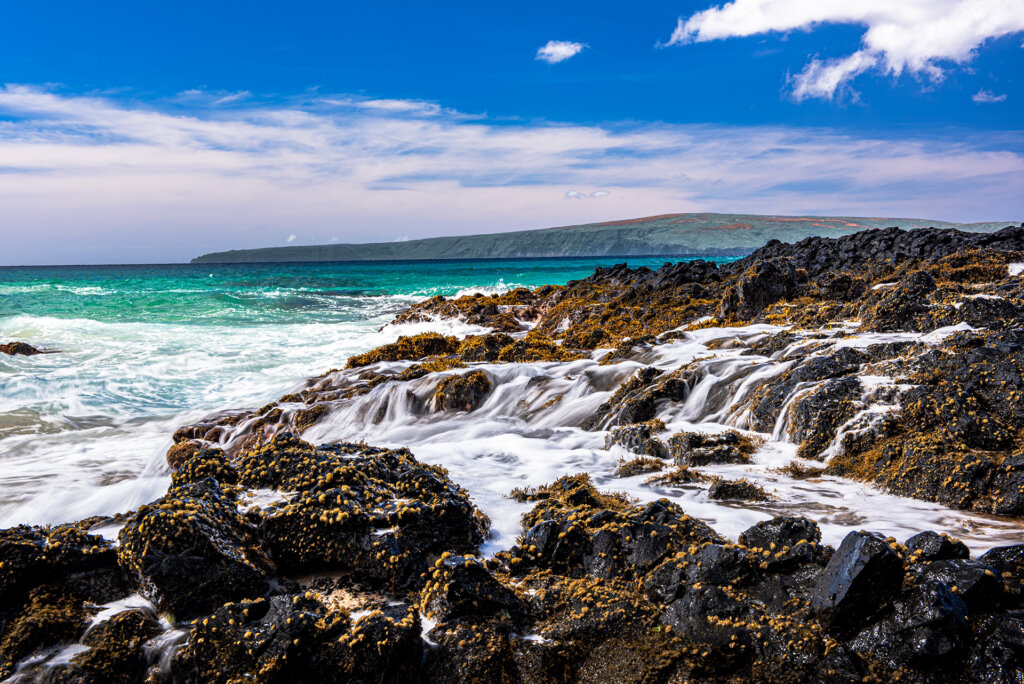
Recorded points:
894,358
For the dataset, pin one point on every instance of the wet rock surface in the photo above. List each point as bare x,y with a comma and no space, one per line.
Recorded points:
275,559
16,348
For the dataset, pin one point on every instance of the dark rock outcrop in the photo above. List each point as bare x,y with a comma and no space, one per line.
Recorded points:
22,348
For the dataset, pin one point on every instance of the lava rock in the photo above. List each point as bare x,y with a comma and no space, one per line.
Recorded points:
698,449
83,564
903,306
789,543
464,392
932,546
765,282
998,652
977,584
462,587
191,551
861,579
927,631
638,438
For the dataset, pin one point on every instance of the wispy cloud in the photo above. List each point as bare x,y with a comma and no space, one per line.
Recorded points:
987,97
575,194
555,51
917,36
94,178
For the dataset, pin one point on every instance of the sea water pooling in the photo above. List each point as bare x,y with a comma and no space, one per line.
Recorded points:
147,349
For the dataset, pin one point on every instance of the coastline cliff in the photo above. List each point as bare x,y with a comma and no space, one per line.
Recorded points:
667,235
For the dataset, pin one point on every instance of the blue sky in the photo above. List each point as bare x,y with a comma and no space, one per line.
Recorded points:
156,131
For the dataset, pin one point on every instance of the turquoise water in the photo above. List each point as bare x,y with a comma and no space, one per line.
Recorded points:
269,294
146,349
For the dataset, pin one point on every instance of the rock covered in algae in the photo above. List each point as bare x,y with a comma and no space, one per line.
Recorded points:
357,508
192,550
16,348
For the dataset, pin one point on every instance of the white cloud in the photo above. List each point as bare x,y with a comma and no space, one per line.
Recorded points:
291,238
144,182
576,194
987,96
558,51
918,36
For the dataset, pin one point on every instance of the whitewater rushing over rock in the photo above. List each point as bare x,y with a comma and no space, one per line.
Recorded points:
806,465
529,430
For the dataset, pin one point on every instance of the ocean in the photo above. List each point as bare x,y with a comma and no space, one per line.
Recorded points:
144,350
147,349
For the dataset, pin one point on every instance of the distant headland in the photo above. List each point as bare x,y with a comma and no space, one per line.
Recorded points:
667,235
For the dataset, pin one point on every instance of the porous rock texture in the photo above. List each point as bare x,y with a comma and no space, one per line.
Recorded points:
272,559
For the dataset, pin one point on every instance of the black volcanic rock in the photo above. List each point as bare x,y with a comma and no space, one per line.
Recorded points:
862,577
931,546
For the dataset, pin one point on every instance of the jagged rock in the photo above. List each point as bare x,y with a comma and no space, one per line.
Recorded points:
927,630
709,618
1009,563
818,414
82,564
862,577
478,348
997,655
698,448
464,392
903,306
191,551
300,638
48,619
462,587
576,531
766,282
740,490
115,652
790,542
638,438
352,507
931,546
977,584
469,653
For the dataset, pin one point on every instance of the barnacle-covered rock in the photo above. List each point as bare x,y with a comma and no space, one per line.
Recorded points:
740,490
192,550
114,651
698,448
462,392
83,564
298,638
50,618
354,507
412,348
639,438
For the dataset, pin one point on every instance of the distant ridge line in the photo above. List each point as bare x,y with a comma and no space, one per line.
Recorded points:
663,235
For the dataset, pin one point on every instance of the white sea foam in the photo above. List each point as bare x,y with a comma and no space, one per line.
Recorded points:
84,432
528,433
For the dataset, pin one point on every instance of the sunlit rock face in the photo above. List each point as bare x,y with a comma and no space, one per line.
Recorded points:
802,466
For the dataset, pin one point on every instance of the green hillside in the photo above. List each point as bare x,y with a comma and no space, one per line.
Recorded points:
666,235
